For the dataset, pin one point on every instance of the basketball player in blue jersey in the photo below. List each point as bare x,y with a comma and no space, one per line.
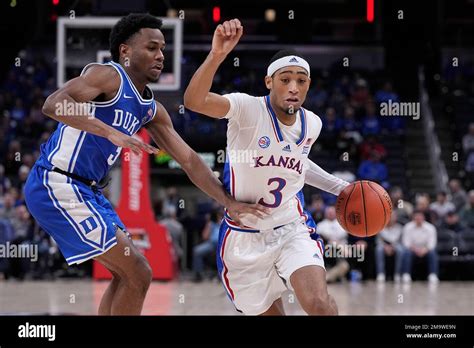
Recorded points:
61,191
266,256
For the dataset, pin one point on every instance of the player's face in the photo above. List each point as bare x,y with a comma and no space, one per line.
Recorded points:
147,53
288,88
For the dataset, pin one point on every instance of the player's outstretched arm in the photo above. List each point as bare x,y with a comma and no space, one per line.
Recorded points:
77,92
318,177
162,132
197,96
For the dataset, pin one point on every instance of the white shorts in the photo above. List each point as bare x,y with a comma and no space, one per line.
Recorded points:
255,268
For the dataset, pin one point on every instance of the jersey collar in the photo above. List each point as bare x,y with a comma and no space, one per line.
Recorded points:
276,126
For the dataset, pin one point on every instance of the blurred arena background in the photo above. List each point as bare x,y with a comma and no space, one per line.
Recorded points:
365,55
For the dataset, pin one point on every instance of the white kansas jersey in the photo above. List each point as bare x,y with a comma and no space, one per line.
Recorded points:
266,160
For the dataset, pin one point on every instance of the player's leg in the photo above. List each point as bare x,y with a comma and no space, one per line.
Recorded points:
246,267
84,226
118,282
105,306
127,294
275,309
301,264
309,284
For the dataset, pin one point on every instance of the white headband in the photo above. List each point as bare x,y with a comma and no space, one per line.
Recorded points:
287,61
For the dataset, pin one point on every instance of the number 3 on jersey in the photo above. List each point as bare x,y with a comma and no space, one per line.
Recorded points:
113,157
275,192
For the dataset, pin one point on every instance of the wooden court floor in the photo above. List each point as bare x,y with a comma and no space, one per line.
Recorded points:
208,298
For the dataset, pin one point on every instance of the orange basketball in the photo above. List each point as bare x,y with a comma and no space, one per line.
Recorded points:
363,208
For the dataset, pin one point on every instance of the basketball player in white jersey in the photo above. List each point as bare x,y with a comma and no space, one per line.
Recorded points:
259,261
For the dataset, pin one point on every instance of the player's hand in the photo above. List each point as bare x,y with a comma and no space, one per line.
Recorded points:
127,142
226,37
236,209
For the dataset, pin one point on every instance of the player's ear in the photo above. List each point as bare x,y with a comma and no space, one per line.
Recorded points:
124,50
268,82
308,84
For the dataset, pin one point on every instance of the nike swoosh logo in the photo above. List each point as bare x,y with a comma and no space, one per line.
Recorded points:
127,96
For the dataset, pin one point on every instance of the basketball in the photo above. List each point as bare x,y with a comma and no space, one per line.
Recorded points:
363,208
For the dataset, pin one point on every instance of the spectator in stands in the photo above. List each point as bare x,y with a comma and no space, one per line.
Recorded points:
360,94
343,85
22,224
442,206
393,124
335,238
36,115
349,122
468,139
349,132
346,144
318,95
210,236
469,167
403,208
47,253
23,235
337,97
13,158
171,202
28,160
388,243
20,179
18,112
419,240
371,145
17,195
386,93
370,123
422,204
362,268
331,124
373,169
175,229
6,235
458,195
467,213
452,222
4,135
317,208
7,210
5,183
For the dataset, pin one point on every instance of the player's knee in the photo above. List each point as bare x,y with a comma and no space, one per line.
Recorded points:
146,273
140,276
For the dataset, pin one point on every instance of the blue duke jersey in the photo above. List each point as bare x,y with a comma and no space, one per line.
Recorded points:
91,156
267,160
80,219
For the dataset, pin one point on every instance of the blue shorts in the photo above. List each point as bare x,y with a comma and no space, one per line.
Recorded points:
82,222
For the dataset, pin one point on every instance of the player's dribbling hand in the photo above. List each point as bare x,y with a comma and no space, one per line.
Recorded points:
128,142
236,209
226,37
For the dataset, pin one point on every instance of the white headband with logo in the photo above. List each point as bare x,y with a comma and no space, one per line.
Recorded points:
287,61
